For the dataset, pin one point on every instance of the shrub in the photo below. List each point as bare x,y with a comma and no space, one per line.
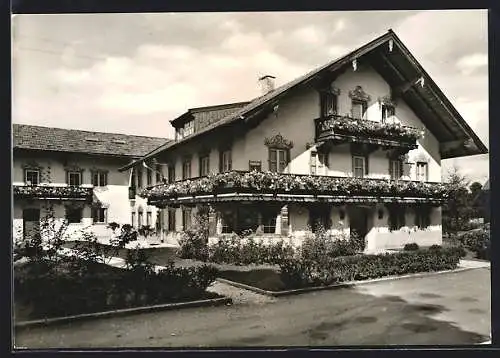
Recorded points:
435,247
411,247
194,241
298,272
478,241
321,245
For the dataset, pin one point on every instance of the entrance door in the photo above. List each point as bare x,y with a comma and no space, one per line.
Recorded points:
358,220
31,223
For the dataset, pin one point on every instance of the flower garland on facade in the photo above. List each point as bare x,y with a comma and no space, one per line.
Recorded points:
362,127
63,192
270,182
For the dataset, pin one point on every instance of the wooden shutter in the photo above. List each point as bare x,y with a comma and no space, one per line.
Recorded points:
353,166
366,165
390,168
401,168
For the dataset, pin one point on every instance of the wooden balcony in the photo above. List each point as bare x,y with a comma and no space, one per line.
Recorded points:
342,129
287,188
46,192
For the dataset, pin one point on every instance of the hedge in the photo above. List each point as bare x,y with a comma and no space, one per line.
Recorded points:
296,273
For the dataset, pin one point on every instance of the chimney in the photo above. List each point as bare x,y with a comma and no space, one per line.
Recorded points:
267,84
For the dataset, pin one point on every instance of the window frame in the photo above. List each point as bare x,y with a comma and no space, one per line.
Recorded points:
186,219
37,171
188,128
171,220
204,164
418,173
422,217
186,168
329,104
354,167
280,165
96,215
226,160
388,111
395,167
71,173
364,108
74,210
397,218
101,176
171,173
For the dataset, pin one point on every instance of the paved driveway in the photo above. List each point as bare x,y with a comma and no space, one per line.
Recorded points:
443,309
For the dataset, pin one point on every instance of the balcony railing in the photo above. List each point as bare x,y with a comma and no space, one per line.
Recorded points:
342,127
292,184
53,192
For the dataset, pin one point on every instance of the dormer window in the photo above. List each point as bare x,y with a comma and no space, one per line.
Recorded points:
188,128
32,177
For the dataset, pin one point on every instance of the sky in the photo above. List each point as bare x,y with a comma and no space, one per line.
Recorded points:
132,73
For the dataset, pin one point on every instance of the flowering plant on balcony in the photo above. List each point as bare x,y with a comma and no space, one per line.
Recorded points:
277,183
62,192
352,126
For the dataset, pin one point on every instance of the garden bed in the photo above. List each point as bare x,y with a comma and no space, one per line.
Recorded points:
296,274
75,287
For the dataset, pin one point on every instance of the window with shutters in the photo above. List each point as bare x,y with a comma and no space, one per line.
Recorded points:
139,177
422,171
422,217
186,169
225,161
171,220
359,109
328,104
395,169
186,219
397,217
359,166
171,173
388,111
278,159
204,165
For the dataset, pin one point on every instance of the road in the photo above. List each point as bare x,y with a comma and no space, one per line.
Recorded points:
443,309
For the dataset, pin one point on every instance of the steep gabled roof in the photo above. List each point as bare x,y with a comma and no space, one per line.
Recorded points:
400,70
40,138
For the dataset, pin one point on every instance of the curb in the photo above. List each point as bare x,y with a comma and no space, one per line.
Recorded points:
338,285
121,312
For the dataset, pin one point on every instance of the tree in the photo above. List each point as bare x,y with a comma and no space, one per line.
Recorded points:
457,210
475,188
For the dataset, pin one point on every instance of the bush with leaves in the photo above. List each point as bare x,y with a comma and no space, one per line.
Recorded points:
478,241
193,243
298,272
413,246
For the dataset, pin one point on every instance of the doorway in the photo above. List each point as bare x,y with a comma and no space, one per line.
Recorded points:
358,220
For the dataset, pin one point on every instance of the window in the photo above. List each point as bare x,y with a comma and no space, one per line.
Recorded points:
328,104
134,224
204,165
99,215
255,165
395,169
32,177
149,177
179,132
188,128
359,109
225,161
186,169
422,217
319,163
422,171
228,222
74,215
159,173
388,111
139,219
149,219
99,178
171,220
186,219
74,178
358,166
397,217
171,174
268,223
278,160
139,177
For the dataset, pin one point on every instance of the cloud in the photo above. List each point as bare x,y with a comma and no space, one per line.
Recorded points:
470,63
